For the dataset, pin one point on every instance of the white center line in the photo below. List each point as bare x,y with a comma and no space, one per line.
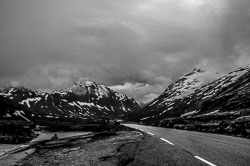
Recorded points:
141,129
205,161
167,141
150,133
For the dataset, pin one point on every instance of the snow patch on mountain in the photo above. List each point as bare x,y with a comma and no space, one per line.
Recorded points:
21,114
28,100
86,104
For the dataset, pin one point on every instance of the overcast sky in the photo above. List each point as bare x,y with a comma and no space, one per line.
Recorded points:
137,47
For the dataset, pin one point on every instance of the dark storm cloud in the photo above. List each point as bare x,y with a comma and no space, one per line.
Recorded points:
229,35
135,46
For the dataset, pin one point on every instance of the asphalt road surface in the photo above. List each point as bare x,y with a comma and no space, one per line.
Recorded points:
212,149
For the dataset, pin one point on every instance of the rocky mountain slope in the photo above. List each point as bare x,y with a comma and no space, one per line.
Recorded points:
220,106
171,102
84,100
15,111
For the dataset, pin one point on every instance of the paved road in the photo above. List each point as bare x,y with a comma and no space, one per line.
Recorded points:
212,149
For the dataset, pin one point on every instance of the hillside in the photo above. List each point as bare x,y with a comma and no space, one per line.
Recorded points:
220,106
176,97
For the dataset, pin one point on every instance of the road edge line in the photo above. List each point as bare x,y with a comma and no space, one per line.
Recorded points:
205,161
167,141
150,133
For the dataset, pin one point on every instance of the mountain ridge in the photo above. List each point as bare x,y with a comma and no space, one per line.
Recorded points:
221,106
84,100
178,97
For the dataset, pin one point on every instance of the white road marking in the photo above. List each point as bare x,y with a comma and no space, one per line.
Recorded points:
139,129
150,133
205,161
167,141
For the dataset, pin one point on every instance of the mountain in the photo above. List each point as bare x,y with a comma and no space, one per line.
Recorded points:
15,111
220,106
176,96
84,100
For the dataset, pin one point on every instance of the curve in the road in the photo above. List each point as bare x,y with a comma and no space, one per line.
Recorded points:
212,149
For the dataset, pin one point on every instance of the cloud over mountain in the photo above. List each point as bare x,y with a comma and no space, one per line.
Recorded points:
143,44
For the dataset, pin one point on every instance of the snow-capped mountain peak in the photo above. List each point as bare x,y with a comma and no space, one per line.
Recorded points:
83,83
188,83
84,88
